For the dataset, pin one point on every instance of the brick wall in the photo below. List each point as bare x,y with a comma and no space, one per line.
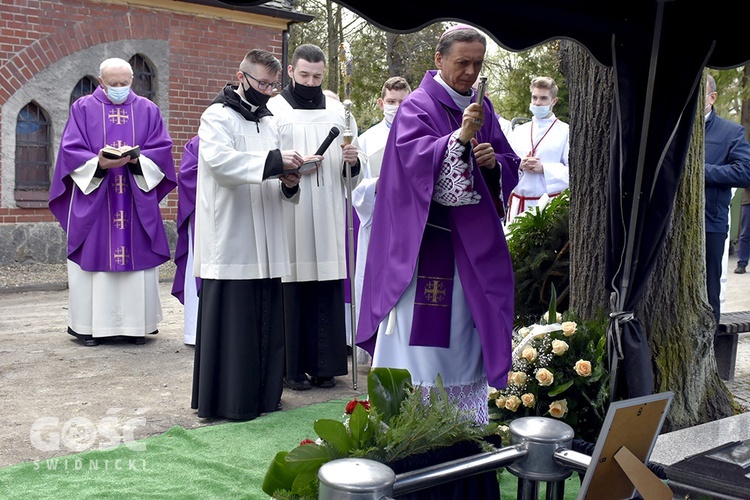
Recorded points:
205,47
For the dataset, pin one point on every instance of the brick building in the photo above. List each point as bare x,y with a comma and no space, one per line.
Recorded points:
183,52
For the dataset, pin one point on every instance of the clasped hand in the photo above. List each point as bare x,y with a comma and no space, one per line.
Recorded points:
531,164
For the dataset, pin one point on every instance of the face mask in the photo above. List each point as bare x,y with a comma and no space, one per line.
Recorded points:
118,94
307,93
389,112
539,111
254,97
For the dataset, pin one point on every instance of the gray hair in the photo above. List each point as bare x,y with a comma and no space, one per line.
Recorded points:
459,34
114,62
710,83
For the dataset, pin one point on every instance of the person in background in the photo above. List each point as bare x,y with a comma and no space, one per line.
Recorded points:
109,209
185,285
372,141
743,249
315,331
727,158
241,247
437,293
543,146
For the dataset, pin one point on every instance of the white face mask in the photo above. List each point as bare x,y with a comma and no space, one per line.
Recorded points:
539,111
118,95
389,111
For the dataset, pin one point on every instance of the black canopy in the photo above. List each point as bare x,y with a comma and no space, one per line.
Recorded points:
658,50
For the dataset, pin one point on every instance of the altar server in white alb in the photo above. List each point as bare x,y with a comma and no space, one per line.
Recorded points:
240,250
543,146
313,292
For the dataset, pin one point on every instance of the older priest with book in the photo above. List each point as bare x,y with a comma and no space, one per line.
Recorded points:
109,209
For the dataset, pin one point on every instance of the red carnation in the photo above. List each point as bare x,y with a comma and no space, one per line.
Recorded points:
353,404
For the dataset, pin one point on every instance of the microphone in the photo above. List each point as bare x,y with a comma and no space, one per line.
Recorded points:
328,140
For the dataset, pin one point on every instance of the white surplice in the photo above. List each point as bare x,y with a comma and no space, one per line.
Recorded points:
551,146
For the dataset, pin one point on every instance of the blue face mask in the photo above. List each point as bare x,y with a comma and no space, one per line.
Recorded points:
118,94
539,111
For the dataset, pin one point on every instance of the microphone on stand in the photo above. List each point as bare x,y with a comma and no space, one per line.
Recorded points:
328,140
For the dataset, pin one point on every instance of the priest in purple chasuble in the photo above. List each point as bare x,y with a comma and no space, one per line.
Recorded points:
437,295
109,209
185,285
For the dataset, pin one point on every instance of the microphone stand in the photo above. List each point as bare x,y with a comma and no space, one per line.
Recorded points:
346,71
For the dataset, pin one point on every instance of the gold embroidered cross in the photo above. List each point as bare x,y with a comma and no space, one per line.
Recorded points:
121,256
120,220
434,291
119,185
118,144
118,116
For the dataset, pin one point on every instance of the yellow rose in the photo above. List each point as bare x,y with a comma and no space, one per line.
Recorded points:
545,377
524,331
583,368
528,400
500,402
512,403
529,354
559,347
517,378
569,328
558,409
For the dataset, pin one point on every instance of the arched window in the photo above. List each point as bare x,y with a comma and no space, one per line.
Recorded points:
144,79
85,86
32,157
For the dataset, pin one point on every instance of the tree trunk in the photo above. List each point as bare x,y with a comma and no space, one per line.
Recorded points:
674,310
590,89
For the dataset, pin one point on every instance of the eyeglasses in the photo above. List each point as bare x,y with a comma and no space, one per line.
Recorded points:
264,85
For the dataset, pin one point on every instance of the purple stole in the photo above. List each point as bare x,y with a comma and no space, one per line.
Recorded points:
431,324
119,130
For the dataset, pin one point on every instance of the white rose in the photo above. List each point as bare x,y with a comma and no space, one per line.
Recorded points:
512,403
517,378
545,377
559,347
529,354
583,368
558,409
528,400
569,328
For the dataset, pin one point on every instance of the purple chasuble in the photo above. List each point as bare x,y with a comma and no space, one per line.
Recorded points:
413,156
117,227
186,186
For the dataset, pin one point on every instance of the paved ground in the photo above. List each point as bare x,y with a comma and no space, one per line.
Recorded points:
50,381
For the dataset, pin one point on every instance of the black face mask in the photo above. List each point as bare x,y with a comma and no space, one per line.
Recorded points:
254,97
307,93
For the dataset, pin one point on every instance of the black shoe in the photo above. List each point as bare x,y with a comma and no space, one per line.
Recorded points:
138,341
90,342
298,385
325,382
740,269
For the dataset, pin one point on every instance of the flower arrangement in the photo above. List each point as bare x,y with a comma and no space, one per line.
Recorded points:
395,422
557,371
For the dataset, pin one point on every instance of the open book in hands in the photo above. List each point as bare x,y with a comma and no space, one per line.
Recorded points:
114,153
307,167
